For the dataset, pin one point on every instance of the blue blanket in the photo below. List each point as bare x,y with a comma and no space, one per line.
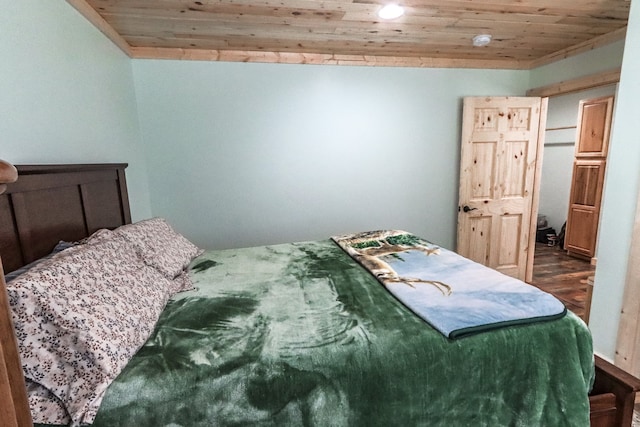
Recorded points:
453,294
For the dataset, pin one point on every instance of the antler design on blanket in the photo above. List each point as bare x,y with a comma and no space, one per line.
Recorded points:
370,248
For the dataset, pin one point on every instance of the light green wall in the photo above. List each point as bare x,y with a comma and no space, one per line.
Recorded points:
620,197
249,154
594,61
66,94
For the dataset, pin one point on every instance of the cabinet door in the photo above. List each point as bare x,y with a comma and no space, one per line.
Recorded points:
594,121
584,207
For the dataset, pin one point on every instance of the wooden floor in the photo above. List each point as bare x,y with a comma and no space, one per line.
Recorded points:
566,277
562,275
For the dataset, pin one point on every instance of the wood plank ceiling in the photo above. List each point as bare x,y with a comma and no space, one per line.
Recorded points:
433,33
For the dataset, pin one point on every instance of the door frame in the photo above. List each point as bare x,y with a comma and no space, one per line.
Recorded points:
628,339
535,197
605,78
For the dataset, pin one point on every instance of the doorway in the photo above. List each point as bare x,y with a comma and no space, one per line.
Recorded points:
568,278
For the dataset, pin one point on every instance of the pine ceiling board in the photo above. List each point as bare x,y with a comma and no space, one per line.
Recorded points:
317,47
599,22
524,31
500,17
176,8
211,12
476,25
521,5
611,8
133,20
248,15
420,42
618,9
324,59
121,18
134,24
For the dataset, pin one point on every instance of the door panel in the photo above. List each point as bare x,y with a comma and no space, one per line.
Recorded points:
482,174
510,230
515,169
498,175
581,239
584,207
594,122
477,245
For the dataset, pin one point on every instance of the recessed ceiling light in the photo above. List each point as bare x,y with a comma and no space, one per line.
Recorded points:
391,11
482,40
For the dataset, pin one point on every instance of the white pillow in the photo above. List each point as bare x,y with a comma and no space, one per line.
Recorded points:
161,247
81,315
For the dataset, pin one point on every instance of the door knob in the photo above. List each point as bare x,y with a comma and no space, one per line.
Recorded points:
466,209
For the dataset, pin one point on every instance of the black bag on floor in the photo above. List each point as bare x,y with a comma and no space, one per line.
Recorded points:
561,235
541,234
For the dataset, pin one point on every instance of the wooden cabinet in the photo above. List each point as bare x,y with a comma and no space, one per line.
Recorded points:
594,124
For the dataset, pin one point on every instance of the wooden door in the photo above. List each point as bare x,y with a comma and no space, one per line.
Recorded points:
499,180
587,183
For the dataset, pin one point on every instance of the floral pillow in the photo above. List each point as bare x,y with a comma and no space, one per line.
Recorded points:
81,315
61,246
45,406
161,247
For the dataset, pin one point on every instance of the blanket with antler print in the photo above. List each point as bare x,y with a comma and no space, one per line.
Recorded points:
453,294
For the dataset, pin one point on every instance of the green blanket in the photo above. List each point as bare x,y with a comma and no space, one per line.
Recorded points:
300,334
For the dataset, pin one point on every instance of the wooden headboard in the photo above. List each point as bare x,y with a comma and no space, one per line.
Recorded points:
49,203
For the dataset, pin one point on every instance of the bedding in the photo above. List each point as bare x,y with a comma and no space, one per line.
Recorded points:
299,334
453,294
162,248
81,313
62,245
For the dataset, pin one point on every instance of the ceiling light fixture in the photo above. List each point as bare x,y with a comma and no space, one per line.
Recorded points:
391,11
482,40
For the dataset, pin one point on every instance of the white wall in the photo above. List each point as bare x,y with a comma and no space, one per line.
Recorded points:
66,94
249,154
620,198
559,148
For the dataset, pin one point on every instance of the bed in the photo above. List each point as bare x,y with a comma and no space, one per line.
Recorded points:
386,366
